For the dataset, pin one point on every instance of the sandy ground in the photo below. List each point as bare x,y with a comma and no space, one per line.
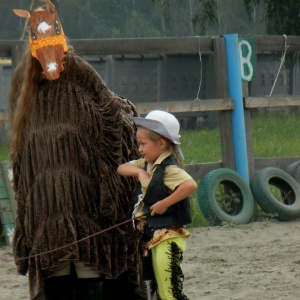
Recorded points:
256,261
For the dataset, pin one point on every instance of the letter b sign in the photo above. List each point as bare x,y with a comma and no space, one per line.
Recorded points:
247,59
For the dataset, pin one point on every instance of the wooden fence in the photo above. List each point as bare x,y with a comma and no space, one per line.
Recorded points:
223,104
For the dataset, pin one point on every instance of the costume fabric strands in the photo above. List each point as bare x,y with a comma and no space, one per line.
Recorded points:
76,136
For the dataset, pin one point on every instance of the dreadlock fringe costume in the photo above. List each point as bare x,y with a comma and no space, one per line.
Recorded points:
65,178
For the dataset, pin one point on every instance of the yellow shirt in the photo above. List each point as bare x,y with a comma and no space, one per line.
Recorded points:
173,177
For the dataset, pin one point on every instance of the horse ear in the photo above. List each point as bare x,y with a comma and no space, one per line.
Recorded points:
51,6
22,13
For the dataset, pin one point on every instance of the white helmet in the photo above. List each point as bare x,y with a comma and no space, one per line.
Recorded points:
161,122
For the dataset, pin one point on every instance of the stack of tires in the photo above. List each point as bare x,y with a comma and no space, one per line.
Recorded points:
224,196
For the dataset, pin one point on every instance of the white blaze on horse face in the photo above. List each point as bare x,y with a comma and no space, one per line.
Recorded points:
43,27
51,67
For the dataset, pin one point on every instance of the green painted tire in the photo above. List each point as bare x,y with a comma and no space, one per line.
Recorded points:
294,170
277,193
224,196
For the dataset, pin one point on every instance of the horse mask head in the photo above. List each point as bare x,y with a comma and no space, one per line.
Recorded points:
47,40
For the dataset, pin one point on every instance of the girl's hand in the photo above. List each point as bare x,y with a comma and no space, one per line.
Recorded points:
158,208
182,191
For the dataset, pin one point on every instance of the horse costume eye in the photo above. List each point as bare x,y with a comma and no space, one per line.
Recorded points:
32,34
57,27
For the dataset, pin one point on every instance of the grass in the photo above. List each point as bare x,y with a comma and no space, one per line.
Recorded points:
274,134
4,153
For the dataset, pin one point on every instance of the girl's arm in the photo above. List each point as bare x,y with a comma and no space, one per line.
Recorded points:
181,192
129,170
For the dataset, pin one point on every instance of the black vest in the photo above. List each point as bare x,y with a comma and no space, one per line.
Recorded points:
178,214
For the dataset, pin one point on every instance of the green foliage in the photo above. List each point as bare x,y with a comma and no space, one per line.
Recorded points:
234,17
186,17
93,19
138,26
229,201
282,17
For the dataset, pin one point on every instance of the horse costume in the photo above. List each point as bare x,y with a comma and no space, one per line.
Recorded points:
69,133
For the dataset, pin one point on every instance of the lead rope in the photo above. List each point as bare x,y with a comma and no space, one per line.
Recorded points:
68,245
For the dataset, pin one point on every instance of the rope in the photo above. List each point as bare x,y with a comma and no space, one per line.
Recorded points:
282,61
200,81
70,244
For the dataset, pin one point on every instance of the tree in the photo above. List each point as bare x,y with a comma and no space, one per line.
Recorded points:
182,17
282,17
232,18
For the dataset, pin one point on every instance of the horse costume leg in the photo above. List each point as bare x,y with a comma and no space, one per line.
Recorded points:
59,288
89,289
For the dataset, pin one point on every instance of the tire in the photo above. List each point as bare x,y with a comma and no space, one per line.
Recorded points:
277,192
224,196
294,170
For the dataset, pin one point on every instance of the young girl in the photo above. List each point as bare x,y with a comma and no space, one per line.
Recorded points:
164,203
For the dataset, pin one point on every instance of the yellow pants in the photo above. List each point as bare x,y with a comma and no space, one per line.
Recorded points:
161,261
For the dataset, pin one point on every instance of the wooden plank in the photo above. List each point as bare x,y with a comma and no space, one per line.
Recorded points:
7,45
5,48
274,101
175,45
266,43
3,116
276,162
198,171
248,132
220,64
180,45
186,106
17,52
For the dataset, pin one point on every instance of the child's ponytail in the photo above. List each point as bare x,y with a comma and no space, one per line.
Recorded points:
178,155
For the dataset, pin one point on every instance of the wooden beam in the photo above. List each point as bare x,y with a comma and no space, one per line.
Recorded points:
182,45
175,45
276,162
186,106
266,43
248,132
3,116
5,47
198,171
274,101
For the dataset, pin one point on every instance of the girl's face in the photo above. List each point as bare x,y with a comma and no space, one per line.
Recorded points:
149,148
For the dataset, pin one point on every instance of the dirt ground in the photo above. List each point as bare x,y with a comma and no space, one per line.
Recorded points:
256,261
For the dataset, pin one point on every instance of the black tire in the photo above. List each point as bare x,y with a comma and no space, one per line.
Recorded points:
294,170
284,204
224,196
